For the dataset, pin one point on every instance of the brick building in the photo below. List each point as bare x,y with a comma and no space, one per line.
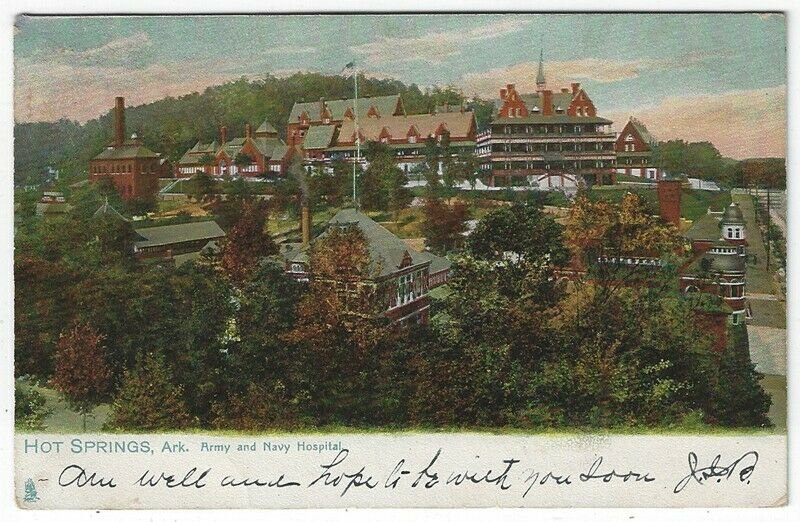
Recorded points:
131,167
266,154
549,139
407,136
404,275
306,115
634,147
718,265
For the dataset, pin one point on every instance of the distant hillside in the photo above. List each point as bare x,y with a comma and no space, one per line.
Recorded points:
172,125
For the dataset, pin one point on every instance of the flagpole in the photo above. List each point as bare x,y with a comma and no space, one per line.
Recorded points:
358,137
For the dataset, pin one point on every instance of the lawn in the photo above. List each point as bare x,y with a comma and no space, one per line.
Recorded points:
64,420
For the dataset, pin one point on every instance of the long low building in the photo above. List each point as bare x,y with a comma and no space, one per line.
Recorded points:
172,240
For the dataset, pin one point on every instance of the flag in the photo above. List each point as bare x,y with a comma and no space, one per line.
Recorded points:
348,69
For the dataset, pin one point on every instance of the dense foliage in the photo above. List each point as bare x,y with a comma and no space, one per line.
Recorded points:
231,341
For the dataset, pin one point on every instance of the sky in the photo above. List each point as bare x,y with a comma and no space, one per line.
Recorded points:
715,77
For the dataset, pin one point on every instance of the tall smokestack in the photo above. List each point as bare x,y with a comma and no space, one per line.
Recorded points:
305,222
223,135
119,121
248,130
669,201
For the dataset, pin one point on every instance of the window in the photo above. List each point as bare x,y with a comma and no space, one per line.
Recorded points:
735,319
730,232
736,233
412,139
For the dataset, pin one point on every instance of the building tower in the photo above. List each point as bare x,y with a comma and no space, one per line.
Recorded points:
733,225
541,84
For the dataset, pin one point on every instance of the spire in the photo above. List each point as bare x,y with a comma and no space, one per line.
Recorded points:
540,81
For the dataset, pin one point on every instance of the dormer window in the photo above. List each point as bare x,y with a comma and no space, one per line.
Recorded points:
412,138
536,108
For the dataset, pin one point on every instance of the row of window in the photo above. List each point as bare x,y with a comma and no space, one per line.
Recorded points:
552,129
540,165
120,168
553,147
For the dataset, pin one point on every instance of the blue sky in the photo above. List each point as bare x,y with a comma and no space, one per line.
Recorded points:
630,64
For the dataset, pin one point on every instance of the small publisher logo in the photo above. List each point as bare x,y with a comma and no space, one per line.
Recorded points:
30,491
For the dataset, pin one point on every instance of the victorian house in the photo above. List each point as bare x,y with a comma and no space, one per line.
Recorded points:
548,139
634,147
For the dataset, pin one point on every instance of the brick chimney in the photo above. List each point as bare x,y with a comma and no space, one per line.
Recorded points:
503,93
669,201
305,223
547,102
223,135
119,121
248,130
576,86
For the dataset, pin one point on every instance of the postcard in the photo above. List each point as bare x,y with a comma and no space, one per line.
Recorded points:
433,260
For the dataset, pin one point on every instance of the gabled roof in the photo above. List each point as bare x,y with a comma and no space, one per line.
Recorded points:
319,137
385,105
174,234
387,251
459,124
643,132
266,128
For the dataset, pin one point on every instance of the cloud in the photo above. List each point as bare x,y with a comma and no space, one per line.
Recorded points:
114,52
741,124
434,47
488,83
85,92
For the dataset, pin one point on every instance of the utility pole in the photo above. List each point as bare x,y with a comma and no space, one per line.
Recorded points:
769,219
358,135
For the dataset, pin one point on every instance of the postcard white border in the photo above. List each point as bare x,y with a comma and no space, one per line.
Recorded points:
10,9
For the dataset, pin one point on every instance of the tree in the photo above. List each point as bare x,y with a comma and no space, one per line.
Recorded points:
518,234
740,401
247,242
204,186
81,373
340,339
149,400
444,224
30,408
242,160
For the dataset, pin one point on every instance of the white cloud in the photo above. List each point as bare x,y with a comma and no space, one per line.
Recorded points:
115,51
558,74
435,47
741,124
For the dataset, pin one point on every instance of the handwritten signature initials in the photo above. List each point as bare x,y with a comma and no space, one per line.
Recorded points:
746,465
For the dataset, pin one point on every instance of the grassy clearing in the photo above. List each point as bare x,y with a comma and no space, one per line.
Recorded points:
64,420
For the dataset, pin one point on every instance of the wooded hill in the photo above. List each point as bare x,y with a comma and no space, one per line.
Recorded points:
172,125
